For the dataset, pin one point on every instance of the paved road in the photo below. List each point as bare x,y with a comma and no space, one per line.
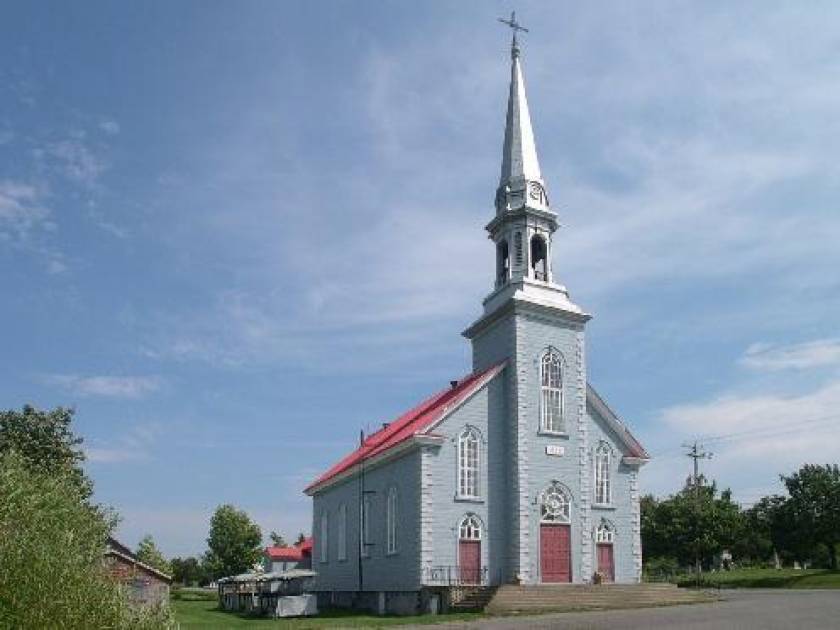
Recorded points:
741,610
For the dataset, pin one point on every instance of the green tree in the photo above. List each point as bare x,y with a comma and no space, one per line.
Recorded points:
277,539
234,542
148,552
188,571
814,506
697,522
51,554
45,442
755,542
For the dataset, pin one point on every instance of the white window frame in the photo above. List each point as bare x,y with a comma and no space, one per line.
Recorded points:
552,417
605,533
555,505
364,527
391,521
324,534
342,532
603,474
469,464
469,528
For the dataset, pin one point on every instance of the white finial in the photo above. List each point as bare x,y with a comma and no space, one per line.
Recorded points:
514,26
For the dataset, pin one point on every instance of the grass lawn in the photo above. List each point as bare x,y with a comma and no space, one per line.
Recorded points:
768,578
204,614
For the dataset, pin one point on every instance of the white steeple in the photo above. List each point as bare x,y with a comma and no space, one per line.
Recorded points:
524,224
519,154
521,181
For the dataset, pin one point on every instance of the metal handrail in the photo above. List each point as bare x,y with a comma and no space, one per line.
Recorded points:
447,575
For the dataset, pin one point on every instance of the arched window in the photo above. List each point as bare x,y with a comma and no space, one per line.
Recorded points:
323,541
365,541
555,505
342,532
470,528
551,379
539,262
605,532
603,487
502,263
469,446
391,520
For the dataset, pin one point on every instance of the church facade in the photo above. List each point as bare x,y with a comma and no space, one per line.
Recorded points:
518,472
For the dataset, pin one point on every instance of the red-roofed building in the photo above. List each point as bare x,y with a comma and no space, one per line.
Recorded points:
280,559
518,472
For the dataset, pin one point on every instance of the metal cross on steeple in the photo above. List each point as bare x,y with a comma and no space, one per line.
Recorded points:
514,26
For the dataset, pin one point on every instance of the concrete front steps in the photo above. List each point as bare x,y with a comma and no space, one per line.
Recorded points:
511,599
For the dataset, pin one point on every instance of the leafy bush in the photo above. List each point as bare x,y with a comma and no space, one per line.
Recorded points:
51,545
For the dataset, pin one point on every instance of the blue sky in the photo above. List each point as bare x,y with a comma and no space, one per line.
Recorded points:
233,234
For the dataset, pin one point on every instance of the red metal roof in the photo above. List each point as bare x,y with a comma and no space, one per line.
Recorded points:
290,554
411,423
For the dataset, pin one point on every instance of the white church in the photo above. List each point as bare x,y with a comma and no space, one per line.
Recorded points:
518,473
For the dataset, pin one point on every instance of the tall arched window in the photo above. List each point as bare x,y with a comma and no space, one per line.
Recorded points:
551,379
323,541
365,541
391,520
502,262
555,505
342,532
603,487
470,528
539,262
469,446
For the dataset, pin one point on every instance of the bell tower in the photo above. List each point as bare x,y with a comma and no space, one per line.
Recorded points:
524,223
527,317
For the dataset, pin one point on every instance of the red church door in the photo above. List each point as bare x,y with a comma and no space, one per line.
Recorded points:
606,562
469,561
555,553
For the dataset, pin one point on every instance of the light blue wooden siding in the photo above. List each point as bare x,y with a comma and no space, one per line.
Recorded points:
534,335
621,514
381,571
486,412
494,344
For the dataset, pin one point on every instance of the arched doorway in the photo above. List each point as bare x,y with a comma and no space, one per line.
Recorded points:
604,541
469,550
555,535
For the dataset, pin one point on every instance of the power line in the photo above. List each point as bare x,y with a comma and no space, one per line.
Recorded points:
772,431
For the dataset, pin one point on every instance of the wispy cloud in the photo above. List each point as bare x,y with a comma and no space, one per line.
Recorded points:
111,127
21,211
798,356
106,386
77,160
26,223
135,445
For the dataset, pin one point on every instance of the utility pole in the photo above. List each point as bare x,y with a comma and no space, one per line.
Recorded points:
696,453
